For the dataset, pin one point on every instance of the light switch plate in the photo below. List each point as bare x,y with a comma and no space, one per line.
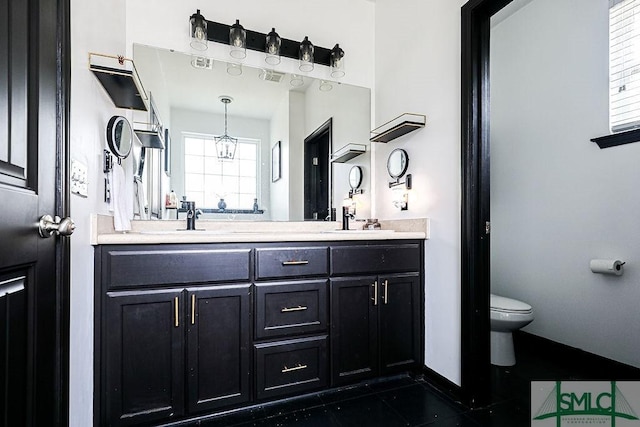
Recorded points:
79,178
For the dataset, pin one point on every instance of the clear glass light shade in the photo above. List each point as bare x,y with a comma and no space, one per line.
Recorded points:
306,55
272,48
296,80
198,31
325,86
237,41
234,69
337,62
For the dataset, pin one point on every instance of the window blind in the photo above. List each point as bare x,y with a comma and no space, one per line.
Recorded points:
624,64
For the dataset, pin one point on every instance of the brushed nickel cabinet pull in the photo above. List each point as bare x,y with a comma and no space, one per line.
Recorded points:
290,309
386,296
193,309
176,313
295,368
375,293
295,262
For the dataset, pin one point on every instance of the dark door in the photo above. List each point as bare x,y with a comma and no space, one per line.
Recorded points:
33,283
317,177
144,356
218,346
354,329
400,322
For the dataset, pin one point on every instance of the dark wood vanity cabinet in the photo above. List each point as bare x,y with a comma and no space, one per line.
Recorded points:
184,330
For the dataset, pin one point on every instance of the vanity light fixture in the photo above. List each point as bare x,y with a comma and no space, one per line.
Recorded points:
198,31
234,69
272,48
240,39
237,41
306,55
226,145
337,62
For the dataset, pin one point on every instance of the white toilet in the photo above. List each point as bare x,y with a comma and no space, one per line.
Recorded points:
507,315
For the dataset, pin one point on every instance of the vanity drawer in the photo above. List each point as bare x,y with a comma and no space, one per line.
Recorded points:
291,367
292,262
290,308
373,259
138,267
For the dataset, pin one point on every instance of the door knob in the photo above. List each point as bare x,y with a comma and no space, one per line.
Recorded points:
48,226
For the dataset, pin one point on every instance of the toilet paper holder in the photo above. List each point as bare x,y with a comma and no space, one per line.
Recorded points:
607,266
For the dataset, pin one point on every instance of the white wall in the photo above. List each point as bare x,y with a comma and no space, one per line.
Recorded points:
279,190
90,110
557,200
417,55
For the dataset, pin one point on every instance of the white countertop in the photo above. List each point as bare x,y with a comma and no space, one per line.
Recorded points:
209,231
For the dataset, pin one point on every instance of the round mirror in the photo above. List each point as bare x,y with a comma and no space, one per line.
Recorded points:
119,136
397,163
355,177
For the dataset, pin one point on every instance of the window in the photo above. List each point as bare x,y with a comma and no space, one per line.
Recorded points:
207,179
624,64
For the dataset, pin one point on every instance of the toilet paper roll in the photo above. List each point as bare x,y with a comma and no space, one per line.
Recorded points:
607,266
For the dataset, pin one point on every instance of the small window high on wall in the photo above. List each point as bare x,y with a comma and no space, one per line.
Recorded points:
207,179
624,65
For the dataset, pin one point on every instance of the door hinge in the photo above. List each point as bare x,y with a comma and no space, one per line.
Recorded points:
487,227
315,161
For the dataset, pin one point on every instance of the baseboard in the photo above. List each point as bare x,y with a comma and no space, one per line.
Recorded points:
575,359
444,386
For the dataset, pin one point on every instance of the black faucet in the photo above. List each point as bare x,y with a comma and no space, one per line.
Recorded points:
191,214
345,217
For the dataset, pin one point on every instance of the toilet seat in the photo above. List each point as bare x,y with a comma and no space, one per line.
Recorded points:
507,305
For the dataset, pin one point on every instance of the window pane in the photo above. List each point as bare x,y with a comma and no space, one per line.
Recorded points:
210,148
193,164
248,168
246,201
193,182
212,165
247,151
248,185
193,146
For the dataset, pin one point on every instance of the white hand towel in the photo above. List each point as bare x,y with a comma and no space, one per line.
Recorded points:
121,200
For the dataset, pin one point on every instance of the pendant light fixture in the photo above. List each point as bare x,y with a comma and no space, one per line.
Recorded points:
198,31
237,41
272,48
226,145
336,62
306,55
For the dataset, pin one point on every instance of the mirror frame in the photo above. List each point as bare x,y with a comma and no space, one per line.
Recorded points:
114,140
403,156
355,177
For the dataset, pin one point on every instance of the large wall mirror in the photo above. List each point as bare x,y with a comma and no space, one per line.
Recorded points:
267,107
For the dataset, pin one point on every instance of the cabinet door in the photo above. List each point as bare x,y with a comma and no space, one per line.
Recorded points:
144,356
354,329
400,322
218,346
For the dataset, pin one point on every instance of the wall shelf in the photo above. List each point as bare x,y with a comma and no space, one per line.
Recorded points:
348,152
395,128
119,77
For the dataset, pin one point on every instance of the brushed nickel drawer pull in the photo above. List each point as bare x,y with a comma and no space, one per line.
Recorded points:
176,311
290,309
193,309
386,285
295,368
375,293
295,262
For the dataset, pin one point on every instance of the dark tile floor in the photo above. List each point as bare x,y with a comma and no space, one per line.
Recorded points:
408,401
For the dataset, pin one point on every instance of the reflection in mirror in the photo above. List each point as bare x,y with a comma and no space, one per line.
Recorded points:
397,163
355,177
267,108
